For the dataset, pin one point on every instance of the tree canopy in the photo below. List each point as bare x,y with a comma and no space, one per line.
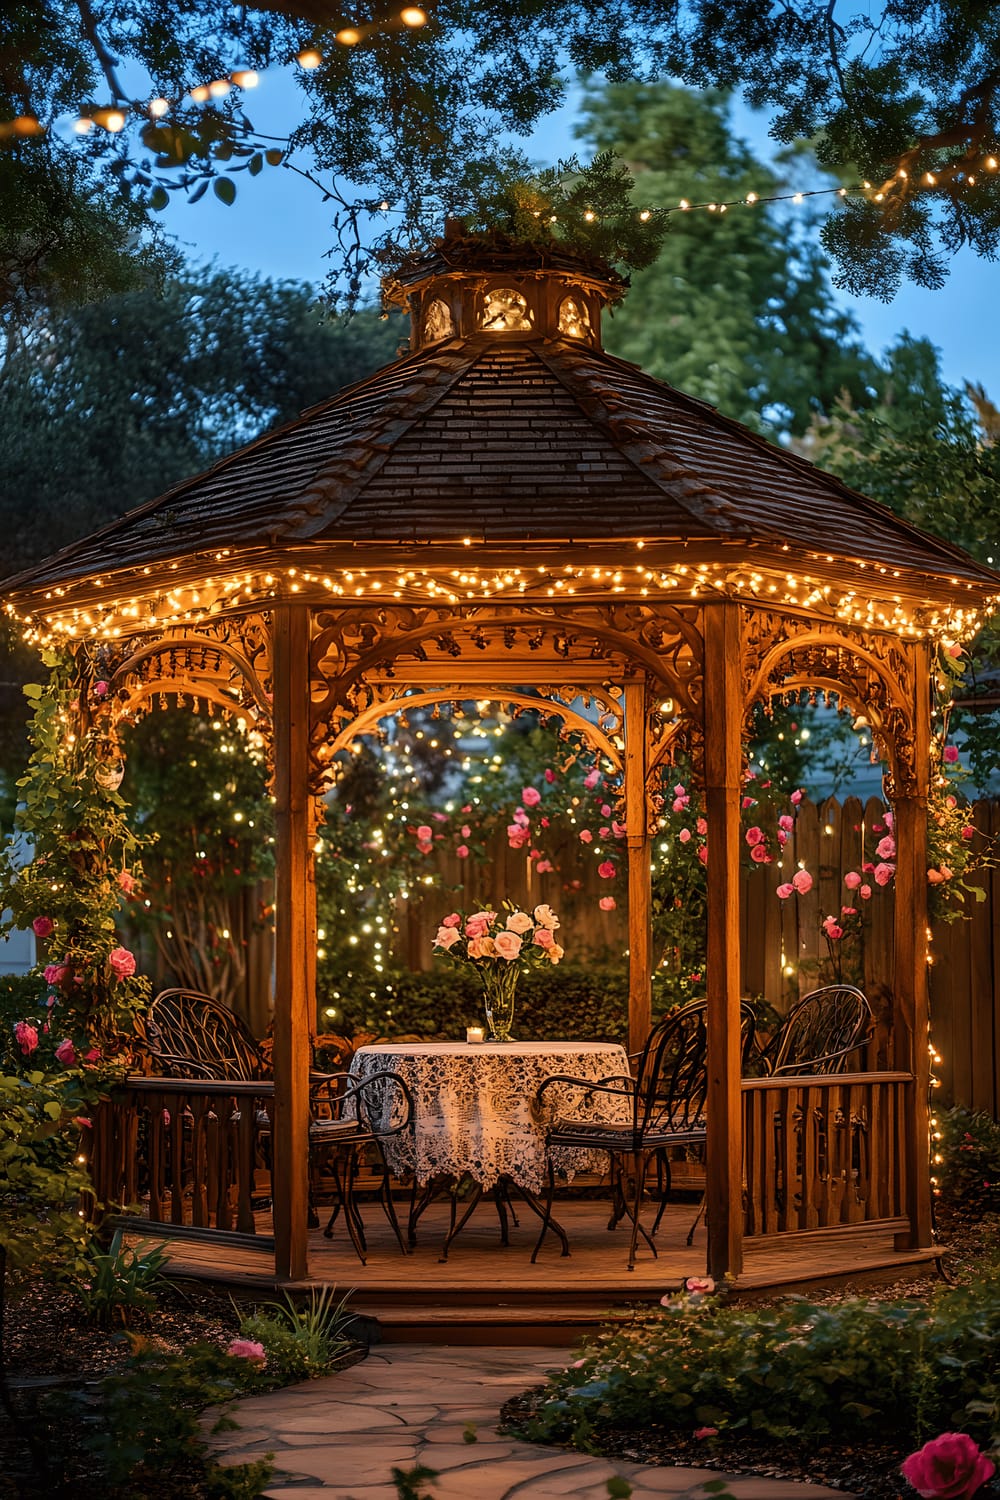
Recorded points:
409,115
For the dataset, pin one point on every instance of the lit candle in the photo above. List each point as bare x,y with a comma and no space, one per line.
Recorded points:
475,1034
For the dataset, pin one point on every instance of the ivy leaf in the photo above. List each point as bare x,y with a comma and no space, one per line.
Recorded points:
158,199
256,163
225,190
274,157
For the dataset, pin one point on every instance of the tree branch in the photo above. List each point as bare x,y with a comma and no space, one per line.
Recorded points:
108,62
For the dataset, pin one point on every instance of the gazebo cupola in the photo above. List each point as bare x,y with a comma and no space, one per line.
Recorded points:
465,288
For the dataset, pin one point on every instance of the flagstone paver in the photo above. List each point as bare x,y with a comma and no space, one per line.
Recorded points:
339,1438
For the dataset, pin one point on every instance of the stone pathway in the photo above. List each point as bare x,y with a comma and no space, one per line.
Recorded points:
410,1404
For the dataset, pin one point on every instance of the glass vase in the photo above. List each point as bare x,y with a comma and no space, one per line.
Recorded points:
499,990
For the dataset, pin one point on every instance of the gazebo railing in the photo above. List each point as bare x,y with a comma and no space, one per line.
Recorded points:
182,1152
825,1151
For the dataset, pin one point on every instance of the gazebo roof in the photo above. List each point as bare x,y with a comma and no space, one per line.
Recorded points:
507,443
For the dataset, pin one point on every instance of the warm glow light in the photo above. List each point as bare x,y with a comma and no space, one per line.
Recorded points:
158,108
246,78
310,58
412,15
349,36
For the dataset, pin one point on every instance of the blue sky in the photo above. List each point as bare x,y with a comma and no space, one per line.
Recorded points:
280,226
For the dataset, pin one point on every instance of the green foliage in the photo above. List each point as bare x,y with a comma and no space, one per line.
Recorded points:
410,1482
42,1179
120,1281
795,1373
302,1341
737,310
143,1426
969,1174
74,857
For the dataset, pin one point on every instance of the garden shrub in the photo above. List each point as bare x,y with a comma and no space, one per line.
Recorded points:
300,1341
798,1372
121,1281
969,1172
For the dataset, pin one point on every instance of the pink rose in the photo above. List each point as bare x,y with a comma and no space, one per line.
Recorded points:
782,838
802,881
543,938
508,945
440,817
478,924
248,1349
951,754
884,873
544,866
585,836
121,962
706,1432
591,779
606,869
680,803
605,810
465,830
949,1467
462,851
954,650
451,920
100,690
93,1056
703,853
747,803
519,922
760,855
26,1037
685,835
702,826
934,877
603,832
126,882
607,903
424,846
848,911
886,848
544,915
787,822
425,832
66,1054
754,836
55,973
550,775
521,818
865,893
832,930
531,796
618,829
852,880
83,1122
786,890
446,937
796,798
968,832
951,802
43,927
699,1286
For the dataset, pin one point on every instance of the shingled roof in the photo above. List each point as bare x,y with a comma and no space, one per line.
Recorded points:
539,441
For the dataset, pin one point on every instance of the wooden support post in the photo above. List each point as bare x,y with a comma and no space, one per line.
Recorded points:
723,709
911,1028
640,888
293,925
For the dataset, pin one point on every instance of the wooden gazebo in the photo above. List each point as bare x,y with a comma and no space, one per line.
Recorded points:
508,511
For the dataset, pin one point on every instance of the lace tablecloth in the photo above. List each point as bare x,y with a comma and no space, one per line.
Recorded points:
475,1111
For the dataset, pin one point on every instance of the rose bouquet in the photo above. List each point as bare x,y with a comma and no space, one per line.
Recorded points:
498,945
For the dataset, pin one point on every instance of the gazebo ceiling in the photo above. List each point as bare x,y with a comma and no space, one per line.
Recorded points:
506,456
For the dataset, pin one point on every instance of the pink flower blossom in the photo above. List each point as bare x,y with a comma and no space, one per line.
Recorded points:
703,853
446,937
519,922
754,836
550,775
706,1432
544,915
951,802
951,754
796,798
954,650
606,869
55,973
884,873
848,911
786,890
66,1053
544,867
685,835
604,831
93,1056
543,938
451,920
888,819
949,1467
508,945
586,837
832,929
702,826
465,830
425,832
699,1286
618,829
26,1037
43,927
802,881
760,855
83,1122
680,803
886,848
607,903
424,846
126,882
100,690
865,893
787,822
462,851
747,803
121,962
782,838
605,810
478,924
518,836
852,880
968,832
521,817
591,779
248,1349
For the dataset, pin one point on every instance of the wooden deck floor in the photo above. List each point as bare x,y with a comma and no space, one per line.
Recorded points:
489,1292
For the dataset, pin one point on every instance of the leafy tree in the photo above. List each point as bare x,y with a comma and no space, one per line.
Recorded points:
927,451
907,94
736,310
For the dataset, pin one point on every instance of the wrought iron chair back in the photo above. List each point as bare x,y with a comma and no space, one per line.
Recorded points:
671,1078
190,1035
821,1032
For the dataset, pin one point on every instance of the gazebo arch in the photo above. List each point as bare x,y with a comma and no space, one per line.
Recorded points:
507,506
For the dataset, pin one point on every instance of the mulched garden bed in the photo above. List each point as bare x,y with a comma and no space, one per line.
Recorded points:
868,1470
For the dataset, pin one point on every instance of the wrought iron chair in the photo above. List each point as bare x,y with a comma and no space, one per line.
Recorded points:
187,1034
820,1032
665,1104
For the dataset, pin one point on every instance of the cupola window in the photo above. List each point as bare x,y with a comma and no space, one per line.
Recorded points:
574,320
438,322
505,310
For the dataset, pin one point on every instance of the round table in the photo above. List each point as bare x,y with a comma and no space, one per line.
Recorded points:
475,1112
